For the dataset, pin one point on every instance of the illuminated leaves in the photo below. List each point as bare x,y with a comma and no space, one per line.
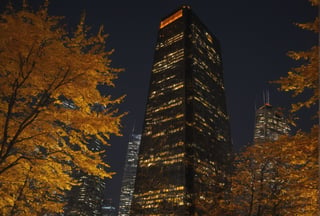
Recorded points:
304,80
48,80
277,178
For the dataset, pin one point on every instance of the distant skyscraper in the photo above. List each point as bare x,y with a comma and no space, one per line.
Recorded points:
186,137
129,175
86,199
270,124
108,208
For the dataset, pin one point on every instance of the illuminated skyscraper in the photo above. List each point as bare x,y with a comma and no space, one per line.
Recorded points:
270,124
129,175
185,147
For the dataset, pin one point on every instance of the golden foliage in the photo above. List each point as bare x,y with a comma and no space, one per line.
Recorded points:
314,2
281,177
305,78
277,178
48,80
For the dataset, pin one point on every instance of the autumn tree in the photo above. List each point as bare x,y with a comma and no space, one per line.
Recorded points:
304,79
208,200
276,178
48,88
281,177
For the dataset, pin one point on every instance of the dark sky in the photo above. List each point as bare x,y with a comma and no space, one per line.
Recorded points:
254,35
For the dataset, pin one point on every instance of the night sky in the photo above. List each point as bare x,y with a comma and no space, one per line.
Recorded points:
254,35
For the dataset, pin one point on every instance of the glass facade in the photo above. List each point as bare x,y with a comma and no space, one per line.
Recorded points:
270,124
129,175
186,136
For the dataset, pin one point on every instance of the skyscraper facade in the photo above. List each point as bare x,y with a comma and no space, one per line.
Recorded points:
185,147
129,175
270,124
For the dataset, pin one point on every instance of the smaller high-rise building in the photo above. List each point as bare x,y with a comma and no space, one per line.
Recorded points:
108,208
129,175
86,198
270,124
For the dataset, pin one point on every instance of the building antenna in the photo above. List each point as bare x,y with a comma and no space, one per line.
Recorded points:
268,97
263,98
133,127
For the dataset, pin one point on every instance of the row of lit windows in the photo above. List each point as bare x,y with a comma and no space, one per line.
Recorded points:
164,157
209,50
156,202
222,114
195,29
203,122
174,130
153,199
166,132
209,37
171,88
177,144
168,106
214,78
200,63
168,61
280,130
204,168
196,126
276,124
161,191
204,68
201,85
205,103
162,133
158,161
211,75
165,79
170,41
221,138
164,119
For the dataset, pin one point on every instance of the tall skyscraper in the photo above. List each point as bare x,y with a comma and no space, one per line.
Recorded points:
185,147
129,175
270,124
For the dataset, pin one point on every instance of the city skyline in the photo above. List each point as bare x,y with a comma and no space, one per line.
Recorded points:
255,38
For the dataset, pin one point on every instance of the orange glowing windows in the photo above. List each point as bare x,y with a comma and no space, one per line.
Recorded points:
171,19
209,37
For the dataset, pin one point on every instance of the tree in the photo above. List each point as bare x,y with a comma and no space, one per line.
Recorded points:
304,79
281,177
48,88
276,178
